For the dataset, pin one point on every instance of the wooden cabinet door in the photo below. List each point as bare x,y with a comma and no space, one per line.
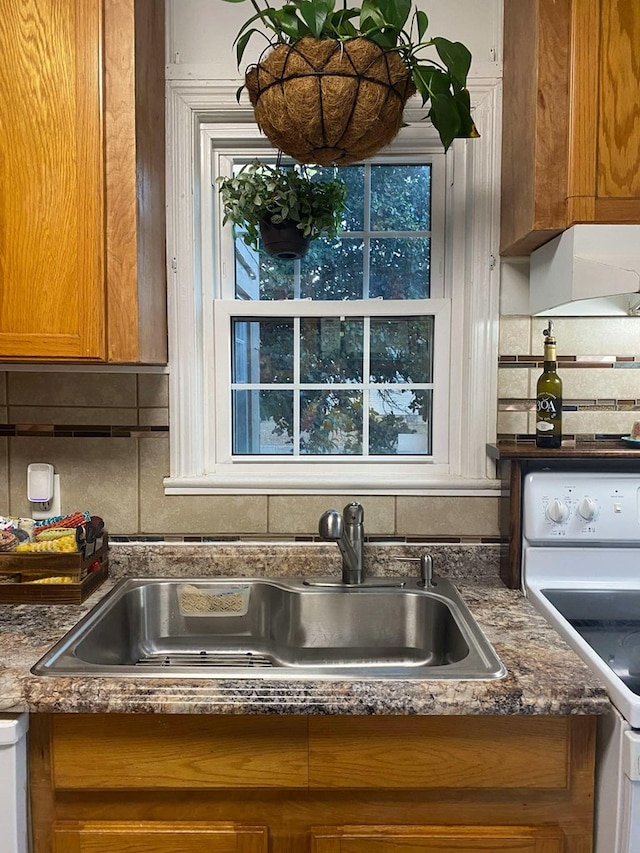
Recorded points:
52,295
571,128
161,837
437,839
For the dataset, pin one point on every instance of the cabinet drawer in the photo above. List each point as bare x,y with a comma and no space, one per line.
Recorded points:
116,751
437,839
160,837
439,752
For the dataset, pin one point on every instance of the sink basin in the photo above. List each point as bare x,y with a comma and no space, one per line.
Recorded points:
275,628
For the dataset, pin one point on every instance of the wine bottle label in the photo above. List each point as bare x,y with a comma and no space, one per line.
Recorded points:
547,404
544,426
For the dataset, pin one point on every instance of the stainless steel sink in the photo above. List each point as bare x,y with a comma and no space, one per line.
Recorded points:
275,628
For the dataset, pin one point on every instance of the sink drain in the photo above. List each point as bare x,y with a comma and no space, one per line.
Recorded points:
198,660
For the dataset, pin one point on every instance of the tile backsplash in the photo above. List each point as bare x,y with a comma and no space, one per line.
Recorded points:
598,361
107,435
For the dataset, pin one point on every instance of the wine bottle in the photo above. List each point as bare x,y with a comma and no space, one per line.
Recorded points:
549,397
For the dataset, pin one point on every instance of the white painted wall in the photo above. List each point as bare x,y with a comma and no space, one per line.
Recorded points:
201,33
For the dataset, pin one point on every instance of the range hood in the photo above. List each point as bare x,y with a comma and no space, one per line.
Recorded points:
587,270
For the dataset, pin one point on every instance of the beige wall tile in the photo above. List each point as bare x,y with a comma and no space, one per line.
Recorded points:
590,335
4,476
71,389
98,474
3,387
510,423
72,416
534,374
602,384
299,514
447,516
513,382
153,389
199,514
592,422
4,415
153,417
515,335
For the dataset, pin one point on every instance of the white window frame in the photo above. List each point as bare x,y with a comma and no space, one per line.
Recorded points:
196,113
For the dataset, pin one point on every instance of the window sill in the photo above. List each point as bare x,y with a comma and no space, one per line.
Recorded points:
319,484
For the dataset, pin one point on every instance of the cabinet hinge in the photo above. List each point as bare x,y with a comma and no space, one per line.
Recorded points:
174,264
492,262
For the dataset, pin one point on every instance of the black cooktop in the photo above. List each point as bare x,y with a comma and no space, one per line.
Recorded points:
609,621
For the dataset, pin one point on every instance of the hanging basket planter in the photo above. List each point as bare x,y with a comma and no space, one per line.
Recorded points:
283,240
329,102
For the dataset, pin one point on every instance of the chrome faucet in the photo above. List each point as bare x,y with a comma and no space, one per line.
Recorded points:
347,530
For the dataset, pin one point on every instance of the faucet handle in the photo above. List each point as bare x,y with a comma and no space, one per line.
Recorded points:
426,568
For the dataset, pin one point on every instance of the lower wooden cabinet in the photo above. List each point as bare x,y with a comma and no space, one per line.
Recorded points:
158,837
436,839
200,783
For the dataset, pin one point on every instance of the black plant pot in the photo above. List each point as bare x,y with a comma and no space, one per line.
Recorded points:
283,240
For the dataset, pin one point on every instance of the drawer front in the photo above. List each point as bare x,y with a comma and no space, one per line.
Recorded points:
439,752
115,751
437,839
158,837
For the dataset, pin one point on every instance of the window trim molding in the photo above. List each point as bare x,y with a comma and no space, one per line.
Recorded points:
473,404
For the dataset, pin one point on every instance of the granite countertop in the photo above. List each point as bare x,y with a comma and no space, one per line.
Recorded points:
544,676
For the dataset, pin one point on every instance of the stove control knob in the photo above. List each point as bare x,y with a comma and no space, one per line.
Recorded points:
588,509
557,511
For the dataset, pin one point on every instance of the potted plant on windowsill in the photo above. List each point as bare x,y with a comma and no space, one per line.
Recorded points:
332,84
282,210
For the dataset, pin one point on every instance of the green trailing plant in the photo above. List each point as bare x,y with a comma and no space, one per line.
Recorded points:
440,80
260,192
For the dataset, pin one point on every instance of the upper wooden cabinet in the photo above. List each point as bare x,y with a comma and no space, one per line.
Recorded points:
571,124
82,234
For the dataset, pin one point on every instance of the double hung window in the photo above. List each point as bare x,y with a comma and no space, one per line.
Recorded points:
368,366
341,356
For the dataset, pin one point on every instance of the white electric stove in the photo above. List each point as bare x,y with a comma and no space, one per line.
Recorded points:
581,569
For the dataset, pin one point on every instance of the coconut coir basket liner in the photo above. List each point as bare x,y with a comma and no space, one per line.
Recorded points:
324,101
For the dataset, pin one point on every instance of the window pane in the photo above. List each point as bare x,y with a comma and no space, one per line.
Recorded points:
331,422
331,349
353,177
276,278
262,350
259,276
262,421
401,349
401,198
399,268
400,422
332,269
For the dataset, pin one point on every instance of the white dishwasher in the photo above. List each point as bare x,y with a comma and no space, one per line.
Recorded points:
14,833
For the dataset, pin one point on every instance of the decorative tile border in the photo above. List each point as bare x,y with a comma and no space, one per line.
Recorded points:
508,404
582,438
83,431
571,361
266,538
